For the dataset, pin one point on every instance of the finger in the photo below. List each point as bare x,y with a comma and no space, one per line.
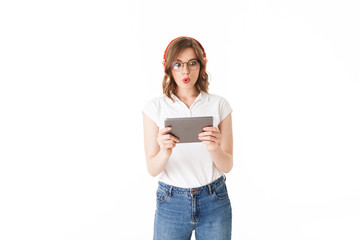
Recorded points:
170,145
214,129
214,134
171,137
163,131
169,142
211,133
208,138
208,142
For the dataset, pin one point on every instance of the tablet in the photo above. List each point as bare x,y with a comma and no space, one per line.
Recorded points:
187,129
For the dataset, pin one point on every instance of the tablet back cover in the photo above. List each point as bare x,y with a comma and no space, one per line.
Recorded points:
187,129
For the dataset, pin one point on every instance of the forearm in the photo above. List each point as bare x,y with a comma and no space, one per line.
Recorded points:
157,164
222,160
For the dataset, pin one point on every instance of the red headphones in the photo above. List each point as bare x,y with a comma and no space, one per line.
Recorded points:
203,50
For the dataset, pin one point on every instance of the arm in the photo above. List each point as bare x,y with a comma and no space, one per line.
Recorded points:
158,146
220,144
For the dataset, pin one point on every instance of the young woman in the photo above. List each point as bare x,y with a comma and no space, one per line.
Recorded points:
192,193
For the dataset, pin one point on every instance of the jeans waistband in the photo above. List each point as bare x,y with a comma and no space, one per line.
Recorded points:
183,191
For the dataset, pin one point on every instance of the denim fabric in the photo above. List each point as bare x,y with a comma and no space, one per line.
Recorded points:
179,211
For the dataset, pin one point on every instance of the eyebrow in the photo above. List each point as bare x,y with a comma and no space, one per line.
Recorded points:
188,60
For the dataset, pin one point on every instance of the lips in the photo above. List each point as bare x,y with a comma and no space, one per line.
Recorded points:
186,80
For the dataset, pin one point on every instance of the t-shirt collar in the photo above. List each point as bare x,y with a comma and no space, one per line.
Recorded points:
202,96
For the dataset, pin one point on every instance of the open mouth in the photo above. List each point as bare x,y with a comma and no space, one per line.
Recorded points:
186,80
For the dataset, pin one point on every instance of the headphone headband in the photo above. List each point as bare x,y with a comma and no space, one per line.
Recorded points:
203,50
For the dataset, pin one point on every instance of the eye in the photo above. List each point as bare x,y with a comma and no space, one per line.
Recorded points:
193,63
177,65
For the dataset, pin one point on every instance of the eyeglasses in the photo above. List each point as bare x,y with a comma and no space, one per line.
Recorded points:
192,65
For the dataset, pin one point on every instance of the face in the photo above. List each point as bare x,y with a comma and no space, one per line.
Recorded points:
186,78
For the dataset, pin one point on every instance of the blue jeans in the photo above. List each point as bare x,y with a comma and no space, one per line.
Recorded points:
206,209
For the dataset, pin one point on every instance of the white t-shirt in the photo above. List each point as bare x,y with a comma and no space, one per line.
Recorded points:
190,164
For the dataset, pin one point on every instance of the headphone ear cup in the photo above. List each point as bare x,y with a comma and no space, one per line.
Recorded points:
204,69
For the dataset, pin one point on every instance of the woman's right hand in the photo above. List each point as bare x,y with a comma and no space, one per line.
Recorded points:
166,141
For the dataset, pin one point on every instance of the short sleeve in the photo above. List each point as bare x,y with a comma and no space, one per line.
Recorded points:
225,109
151,110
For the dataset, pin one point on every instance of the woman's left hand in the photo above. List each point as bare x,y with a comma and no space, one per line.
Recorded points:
211,137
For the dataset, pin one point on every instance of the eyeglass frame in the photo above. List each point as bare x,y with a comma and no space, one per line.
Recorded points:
187,64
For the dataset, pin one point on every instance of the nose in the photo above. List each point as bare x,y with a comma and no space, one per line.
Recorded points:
185,69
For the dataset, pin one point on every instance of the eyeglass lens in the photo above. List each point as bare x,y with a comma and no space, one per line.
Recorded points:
192,65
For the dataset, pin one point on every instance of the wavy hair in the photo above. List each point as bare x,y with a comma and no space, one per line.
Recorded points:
172,52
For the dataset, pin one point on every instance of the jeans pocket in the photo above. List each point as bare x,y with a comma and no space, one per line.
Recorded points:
161,195
221,192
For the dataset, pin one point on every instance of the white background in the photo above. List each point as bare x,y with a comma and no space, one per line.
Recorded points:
75,75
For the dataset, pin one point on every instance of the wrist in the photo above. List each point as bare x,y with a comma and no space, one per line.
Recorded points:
165,152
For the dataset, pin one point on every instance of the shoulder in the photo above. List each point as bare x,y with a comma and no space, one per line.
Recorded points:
221,104
152,108
156,100
215,98
155,104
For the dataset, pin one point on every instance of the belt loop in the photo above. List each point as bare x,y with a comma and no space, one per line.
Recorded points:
170,191
210,191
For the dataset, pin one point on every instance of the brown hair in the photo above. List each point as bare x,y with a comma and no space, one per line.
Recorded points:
173,50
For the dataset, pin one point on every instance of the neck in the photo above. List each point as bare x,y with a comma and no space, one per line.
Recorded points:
187,93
